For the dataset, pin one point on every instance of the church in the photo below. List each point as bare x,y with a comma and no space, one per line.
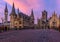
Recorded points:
52,23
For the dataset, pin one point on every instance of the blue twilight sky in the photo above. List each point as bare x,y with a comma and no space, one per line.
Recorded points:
26,5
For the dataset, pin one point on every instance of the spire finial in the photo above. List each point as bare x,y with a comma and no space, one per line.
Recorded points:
6,10
18,10
32,12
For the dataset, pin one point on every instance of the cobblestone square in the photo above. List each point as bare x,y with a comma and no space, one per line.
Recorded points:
40,35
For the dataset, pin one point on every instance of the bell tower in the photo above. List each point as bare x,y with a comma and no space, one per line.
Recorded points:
6,14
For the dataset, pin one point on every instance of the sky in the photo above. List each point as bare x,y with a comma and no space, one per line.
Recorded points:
25,6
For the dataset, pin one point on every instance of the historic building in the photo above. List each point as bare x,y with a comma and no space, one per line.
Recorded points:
21,20
52,22
42,23
17,20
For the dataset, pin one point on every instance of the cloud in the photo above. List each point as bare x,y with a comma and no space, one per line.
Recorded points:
58,6
26,5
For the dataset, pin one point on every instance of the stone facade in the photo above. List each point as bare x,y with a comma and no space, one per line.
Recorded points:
42,23
52,22
21,20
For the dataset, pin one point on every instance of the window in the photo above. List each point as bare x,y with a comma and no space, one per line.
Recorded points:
54,23
19,22
15,22
19,26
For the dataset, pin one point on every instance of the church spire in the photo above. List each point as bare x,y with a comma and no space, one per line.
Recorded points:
6,13
6,10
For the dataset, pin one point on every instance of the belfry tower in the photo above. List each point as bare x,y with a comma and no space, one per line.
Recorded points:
44,19
6,14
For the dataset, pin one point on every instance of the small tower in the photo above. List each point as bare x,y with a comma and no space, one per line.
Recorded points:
32,15
18,13
32,18
54,14
6,14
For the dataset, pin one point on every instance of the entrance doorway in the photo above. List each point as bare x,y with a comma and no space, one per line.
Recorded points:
6,29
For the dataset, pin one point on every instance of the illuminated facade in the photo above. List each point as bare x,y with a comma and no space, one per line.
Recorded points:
52,22
20,20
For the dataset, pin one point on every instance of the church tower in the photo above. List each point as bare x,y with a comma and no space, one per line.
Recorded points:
6,14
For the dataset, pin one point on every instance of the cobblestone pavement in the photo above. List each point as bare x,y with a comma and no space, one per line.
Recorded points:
30,36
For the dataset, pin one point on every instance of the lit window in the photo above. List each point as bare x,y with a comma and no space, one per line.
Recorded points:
19,22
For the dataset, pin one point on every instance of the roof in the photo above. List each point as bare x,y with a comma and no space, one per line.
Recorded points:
23,15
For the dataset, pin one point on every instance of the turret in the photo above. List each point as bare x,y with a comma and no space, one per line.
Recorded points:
32,19
6,14
54,14
18,13
32,14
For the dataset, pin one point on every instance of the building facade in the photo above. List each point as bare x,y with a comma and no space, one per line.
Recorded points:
21,20
42,23
52,22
